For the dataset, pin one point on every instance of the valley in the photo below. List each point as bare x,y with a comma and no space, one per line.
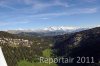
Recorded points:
24,50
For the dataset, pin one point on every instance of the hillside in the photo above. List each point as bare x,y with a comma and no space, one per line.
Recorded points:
18,48
85,43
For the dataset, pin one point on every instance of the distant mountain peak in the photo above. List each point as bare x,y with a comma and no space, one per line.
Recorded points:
54,30
64,28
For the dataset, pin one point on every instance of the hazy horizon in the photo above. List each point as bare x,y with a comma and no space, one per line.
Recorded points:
39,29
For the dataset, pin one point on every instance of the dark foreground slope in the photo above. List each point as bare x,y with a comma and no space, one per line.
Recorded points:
83,44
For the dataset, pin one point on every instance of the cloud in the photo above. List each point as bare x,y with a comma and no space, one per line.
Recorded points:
27,2
88,10
68,13
4,4
32,6
44,18
90,1
37,9
40,5
3,23
37,4
11,23
64,4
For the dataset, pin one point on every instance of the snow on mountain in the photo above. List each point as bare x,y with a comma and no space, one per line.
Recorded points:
62,28
52,31
59,30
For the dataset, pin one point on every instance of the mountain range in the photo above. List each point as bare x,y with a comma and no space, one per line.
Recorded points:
82,43
50,31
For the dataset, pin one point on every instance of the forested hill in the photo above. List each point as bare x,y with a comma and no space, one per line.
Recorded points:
85,43
23,48
6,34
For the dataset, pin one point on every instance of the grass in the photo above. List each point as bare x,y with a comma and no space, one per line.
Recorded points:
26,63
46,53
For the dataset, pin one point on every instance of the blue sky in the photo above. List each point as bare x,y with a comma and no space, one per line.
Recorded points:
35,14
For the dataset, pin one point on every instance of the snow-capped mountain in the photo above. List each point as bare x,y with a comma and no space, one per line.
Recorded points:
61,28
50,31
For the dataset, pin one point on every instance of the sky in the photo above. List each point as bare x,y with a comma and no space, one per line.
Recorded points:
37,14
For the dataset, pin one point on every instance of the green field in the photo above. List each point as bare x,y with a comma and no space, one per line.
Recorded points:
26,63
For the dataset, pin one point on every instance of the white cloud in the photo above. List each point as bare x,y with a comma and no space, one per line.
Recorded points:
27,2
44,18
3,23
72,12
88,10
4,4
34,5
11,23
64,4
41,6
37,6
91,1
